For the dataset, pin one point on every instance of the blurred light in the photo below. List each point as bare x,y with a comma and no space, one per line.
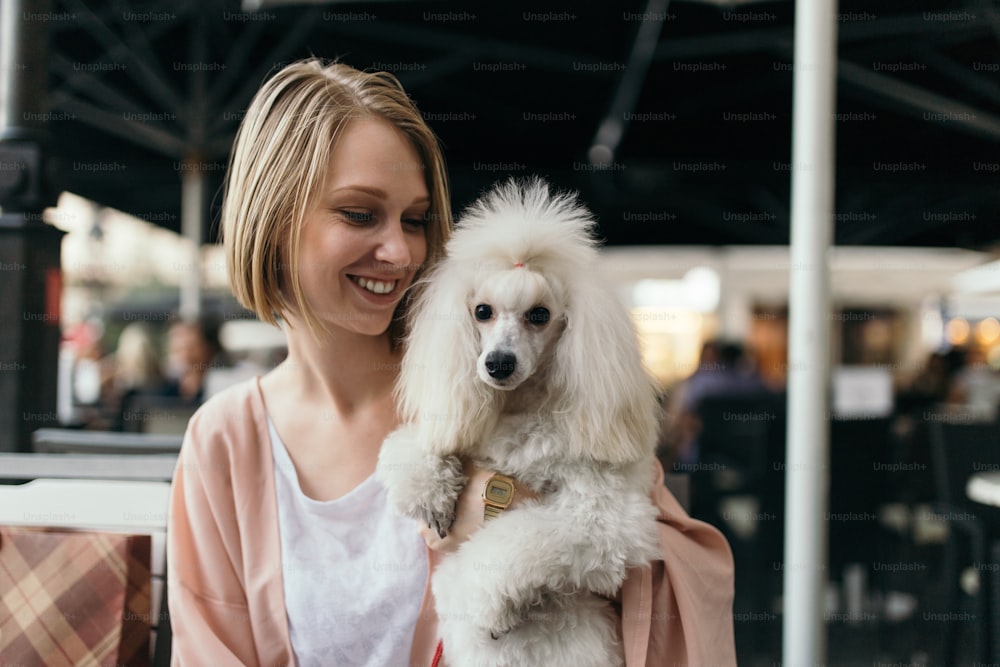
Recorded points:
931,324
981,279
697,291
957,331
670,341
243,335
600,154
988,331
653,293
703,285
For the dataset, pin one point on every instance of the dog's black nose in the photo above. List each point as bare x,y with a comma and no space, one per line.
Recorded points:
500,365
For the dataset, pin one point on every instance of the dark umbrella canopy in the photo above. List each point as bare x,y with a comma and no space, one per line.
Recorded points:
144,90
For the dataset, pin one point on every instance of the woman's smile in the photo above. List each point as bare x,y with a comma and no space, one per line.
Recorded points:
379,291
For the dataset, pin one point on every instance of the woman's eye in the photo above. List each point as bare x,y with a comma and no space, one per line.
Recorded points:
357,217
483,312
538,316
421,222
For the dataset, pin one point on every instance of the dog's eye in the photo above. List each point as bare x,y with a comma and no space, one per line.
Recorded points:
537,315
483,312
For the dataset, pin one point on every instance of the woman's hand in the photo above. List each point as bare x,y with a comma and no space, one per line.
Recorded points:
469,511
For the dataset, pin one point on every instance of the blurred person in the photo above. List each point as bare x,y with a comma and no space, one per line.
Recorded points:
733,372
137,361
282,548
137,372
84,376
935,389
933,381
193,349
935,385
91,373
677,429
975,386
724,369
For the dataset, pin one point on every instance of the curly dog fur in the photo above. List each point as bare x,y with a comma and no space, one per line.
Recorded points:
521,359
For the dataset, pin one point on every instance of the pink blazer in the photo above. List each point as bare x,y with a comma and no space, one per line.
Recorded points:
227,604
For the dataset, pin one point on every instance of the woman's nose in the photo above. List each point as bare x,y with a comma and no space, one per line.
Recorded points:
394,247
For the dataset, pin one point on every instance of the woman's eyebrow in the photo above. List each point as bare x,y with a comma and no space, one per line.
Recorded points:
380,193
368,189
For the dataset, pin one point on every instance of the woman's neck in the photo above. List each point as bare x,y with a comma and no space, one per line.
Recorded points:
345,369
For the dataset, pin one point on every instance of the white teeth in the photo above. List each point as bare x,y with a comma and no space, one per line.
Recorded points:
376,286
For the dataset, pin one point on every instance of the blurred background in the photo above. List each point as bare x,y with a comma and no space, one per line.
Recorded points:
673,121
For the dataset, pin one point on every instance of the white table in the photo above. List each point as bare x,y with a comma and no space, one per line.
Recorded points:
136,467
984,488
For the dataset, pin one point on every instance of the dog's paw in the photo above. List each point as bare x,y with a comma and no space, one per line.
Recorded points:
478,593
438,509
504,619
500,615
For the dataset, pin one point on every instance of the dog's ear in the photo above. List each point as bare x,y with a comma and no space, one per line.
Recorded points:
437,388
610,411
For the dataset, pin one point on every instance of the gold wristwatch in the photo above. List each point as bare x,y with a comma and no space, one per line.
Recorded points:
497,496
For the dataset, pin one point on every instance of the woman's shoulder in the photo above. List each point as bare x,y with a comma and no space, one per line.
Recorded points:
229,419
236,398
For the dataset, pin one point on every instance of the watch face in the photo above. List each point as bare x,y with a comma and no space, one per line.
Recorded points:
498,491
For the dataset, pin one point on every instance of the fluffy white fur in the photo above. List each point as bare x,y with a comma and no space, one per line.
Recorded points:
568,410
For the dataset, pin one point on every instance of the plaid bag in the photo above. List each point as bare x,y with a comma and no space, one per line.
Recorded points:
74,597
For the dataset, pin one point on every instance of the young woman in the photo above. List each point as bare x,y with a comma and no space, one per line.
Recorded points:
281,548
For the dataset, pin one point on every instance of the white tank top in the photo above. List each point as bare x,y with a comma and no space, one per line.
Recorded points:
354,573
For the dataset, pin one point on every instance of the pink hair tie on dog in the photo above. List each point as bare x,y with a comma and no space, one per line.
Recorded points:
519,265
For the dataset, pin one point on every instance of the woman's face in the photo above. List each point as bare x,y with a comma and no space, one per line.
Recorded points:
365,238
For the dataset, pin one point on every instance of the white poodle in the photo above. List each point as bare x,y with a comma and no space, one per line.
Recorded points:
522,360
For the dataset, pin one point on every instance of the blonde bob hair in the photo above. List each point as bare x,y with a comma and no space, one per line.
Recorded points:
278,167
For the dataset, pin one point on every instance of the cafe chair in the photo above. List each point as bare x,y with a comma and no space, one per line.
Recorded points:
857,493
739,485
958,450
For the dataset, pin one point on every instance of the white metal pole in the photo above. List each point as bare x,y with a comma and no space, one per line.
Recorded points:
192,228
808,446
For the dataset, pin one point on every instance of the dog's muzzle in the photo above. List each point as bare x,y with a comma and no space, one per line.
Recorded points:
500,365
